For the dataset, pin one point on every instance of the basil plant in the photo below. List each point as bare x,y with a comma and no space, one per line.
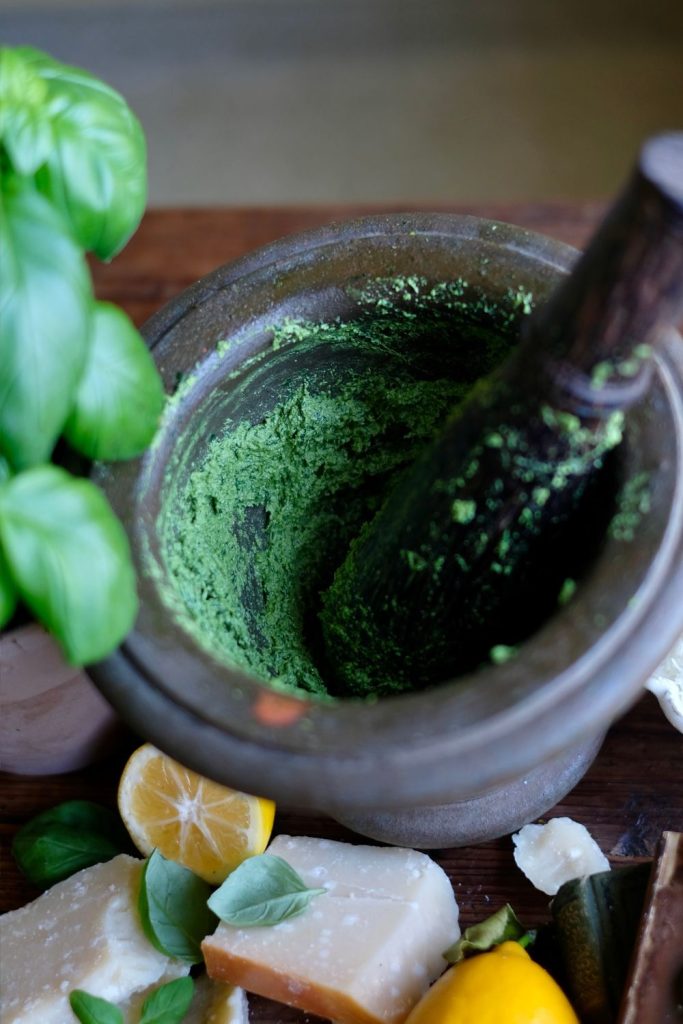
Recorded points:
73,180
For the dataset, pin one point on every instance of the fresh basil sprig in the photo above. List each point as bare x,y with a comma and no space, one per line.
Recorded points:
173,909
168,1004
93,168
45,298
68,557
263,890
119,398
73,179
65,839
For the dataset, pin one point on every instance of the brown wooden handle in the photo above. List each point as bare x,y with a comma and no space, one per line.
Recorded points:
592,339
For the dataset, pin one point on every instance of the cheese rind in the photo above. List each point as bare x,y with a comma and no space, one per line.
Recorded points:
82,933
362,953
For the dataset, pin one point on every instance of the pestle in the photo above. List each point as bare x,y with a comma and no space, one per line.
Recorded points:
430,585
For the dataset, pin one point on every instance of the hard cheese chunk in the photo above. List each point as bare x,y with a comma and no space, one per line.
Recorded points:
362,953
214,1003
555,853
82,933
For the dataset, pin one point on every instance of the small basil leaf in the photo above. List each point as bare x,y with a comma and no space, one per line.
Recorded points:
93,1010
8,593
67,838
263,890
25,129
45,308
169,1003
120,396
173,909
69,558
96,170
503,926
85,814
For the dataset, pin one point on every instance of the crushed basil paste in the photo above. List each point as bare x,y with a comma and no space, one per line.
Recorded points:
257,528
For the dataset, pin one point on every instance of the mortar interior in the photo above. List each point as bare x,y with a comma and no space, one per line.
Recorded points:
295,451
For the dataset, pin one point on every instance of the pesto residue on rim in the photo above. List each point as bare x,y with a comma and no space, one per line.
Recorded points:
259,525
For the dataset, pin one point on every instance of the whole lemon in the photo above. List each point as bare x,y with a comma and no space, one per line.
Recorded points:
504,986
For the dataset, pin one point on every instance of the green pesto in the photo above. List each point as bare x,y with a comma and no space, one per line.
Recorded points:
369,645
608,372
252,535
502,653
633,504
271,496
463,511
254,532
567,592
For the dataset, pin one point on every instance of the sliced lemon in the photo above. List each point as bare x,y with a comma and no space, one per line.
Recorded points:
207,828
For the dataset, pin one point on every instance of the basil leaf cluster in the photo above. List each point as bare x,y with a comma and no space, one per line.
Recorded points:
167,1004
73,180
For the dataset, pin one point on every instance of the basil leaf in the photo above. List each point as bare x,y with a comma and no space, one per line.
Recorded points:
70,560
25,129
45,312
169,1003
93,1010
173,909
67,838
96,169
8,592
120,395
85,814
263,890
503,926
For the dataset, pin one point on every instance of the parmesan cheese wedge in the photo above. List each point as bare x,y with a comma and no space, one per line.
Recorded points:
82,933
362,953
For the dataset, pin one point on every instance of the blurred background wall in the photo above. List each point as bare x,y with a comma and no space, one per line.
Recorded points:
285,101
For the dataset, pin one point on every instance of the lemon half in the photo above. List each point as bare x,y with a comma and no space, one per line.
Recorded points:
200,824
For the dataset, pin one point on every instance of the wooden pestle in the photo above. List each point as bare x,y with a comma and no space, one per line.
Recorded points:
430,585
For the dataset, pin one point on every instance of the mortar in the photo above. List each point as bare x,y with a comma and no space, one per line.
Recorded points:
412,309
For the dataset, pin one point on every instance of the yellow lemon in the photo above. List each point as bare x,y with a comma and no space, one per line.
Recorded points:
504,986
207,828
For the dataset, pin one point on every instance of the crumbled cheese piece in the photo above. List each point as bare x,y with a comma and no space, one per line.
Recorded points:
214,1003
667,686
362,953
552,854
82,933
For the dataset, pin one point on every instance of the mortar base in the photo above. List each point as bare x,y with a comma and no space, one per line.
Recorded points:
494,814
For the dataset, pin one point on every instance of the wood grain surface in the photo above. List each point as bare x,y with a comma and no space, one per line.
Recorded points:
635,788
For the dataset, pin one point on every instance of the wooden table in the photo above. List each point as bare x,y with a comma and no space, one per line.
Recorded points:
634,789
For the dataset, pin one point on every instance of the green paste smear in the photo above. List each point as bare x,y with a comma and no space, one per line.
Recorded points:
254,532
315,432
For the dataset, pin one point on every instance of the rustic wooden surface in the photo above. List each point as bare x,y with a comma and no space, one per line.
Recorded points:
634,789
